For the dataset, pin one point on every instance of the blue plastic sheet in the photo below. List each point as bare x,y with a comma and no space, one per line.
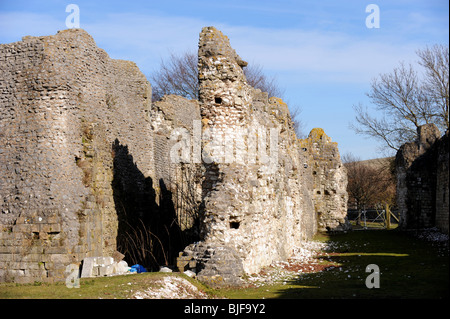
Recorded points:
138,268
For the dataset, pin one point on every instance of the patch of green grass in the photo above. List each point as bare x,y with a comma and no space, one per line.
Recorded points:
117,287
409,268
371,225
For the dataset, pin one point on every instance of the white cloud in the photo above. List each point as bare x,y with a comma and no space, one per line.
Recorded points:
330,56
145,38
15,25
323,56
303,58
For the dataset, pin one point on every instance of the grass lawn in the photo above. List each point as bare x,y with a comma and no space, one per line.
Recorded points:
409,268
371,225
116,287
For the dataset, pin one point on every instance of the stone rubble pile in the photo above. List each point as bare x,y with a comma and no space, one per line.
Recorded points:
302,261
170,287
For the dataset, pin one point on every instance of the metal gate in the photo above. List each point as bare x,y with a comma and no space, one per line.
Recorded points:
373,218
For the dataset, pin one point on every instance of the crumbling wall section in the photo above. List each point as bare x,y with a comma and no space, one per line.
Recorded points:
64,103
422,180
86,158
176,125
442,181
329,177
257,193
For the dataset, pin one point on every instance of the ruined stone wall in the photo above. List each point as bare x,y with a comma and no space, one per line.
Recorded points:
78,153
246,200
329,181
442,181
86,159
257,193
176,124
422,180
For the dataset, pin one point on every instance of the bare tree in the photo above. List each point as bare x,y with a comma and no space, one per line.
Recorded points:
436,64
407,99
371,184
179,75
256,78
298,122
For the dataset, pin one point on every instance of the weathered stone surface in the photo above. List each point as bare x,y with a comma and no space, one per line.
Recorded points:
215,265
102,266
330,181
165,269
258,203
63,104
422,180
83,151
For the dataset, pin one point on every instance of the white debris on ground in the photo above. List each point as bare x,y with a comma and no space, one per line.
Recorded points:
437,238
433,234
309,250
171,287
303,260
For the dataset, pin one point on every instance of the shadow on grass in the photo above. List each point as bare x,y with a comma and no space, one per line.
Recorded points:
409,268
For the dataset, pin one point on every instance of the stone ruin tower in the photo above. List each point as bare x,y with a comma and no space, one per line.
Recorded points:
258,203
84,152
422,172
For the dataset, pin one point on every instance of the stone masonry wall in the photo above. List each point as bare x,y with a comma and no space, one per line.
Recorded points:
257,193
77,151
330,181
86,158
63,103
422,180
442,181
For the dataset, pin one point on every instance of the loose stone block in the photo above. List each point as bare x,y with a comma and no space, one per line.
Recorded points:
88,267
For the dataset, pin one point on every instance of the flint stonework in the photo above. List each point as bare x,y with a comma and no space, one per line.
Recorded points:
77,126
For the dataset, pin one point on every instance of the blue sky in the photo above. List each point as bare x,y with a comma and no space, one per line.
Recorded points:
321,52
